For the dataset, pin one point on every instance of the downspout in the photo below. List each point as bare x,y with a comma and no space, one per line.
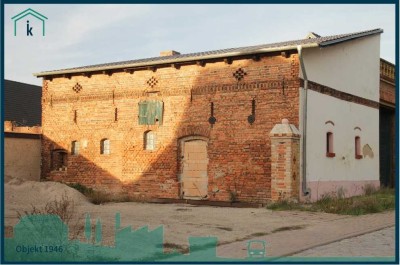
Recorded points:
304,125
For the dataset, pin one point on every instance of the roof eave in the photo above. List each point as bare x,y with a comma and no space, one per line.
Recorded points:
178,60
351,37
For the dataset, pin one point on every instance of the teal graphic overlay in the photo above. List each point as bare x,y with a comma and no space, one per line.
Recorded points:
44,238
33,13
256,248
88,228
98,232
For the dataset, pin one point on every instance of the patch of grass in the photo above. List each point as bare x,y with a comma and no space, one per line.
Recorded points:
225,228
100,197
284,206
369,189
172,247
258,234
183,209
373,201
288,228
251,236
81,188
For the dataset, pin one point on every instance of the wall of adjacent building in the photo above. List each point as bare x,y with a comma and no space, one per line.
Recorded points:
22,158
345,92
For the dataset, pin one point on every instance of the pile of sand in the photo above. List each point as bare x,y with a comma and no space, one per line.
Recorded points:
21,194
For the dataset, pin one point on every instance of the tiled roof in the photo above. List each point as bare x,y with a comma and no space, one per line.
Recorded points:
22,103
279,46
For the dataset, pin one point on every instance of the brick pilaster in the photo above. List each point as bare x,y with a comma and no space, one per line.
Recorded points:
285,154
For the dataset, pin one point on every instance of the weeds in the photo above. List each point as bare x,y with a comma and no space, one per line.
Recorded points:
369,189
288,228
172,247
64,208
99,197
284,205
258,234
225,228
373,201
81,188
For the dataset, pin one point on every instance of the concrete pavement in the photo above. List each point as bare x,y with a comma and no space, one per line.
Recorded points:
380,243
290,242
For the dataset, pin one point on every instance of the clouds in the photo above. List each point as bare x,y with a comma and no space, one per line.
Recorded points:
79,35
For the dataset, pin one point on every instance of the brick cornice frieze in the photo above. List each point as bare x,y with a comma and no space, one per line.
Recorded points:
195,90
340,94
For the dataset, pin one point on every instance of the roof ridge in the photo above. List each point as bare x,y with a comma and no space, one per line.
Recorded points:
318,41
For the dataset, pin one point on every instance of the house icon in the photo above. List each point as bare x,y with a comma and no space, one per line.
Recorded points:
25,13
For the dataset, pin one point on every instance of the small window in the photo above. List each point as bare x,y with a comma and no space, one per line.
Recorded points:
75,148
105,147
59,160
357,146
149,140
329,145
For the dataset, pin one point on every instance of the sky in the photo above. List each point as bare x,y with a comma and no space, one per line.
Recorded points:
78,35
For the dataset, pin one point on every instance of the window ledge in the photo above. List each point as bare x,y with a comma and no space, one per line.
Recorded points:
359,156
330,154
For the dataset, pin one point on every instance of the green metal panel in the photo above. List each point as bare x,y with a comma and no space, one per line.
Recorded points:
151,112
143,106
159,111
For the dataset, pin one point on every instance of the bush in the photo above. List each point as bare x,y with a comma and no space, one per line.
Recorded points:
64,208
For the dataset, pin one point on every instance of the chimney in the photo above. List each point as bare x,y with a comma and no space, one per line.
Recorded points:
169,53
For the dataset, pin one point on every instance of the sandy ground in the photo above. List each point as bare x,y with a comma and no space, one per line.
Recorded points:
179,220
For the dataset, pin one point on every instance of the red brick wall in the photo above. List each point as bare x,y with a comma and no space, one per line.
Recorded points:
387,92
239,153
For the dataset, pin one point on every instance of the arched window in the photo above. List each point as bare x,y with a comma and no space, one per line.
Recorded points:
149,140
329,145
105,147
75,148
357,146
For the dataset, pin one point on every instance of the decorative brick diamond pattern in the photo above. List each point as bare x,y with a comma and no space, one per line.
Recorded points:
152,82
77,88
239,74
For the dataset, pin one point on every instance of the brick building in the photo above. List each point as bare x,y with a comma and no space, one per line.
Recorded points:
387,124
22,133
209,125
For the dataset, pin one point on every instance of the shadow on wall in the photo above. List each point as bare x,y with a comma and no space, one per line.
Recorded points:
65,167
213,142
216,109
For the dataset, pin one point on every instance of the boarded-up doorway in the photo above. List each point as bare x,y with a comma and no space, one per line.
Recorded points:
194,162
